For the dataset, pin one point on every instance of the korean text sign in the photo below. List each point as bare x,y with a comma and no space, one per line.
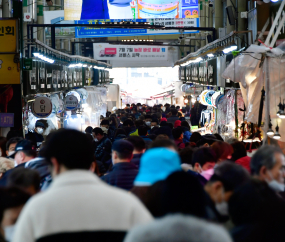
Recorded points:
8,35
104,51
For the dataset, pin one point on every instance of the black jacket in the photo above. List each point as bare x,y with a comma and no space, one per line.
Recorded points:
103,149
137,159
122,175
172,119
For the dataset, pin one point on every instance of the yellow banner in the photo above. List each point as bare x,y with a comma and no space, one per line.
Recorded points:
9,71
8,35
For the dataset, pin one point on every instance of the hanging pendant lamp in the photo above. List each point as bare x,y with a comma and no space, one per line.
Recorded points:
277,135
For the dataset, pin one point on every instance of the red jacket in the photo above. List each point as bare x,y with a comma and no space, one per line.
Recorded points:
244,162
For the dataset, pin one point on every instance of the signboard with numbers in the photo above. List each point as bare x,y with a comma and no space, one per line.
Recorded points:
85,32
104,51
6,120
8,35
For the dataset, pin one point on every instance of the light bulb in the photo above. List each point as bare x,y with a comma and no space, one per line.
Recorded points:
270,132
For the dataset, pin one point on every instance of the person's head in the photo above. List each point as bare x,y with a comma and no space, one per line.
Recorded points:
11,145
195,137
3,142
161,136
219,137
177,134
185,124
104,124
12,201
223,150
179,114
5,165
113,121
128,123
239,150
122,151
268,164
174,112
183,193
142,130
120,132
40,127
166,162
186,155
88,130
166,143
138,143
139,123
227,177
24,151
26,179
177,123
68,149
98,134
154,122
203,159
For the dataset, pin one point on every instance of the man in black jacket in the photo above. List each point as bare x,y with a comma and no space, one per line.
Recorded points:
103,148
124,171
174,116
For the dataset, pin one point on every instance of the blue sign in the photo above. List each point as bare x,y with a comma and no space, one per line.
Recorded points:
85,32
6,120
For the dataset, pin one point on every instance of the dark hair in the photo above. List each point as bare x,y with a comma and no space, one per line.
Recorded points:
114,120
185,124
30,153
3,142
218,137
177,132
120,131
203,155
231,175
161,136
179,114
166,143
13,141
98,131
11,197
186,155
138,143
183,193
104,122
222,150
24,178
239,151
174,111
142,130
195,137
264,156
139,123
14,134
128,122
88,130
71,148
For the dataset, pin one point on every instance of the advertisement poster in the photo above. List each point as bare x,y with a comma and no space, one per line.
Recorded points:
85,32
104,51
130,9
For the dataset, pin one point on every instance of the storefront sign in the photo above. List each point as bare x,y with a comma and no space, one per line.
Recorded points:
71,102
42,107
104,51
8,35
6,120
9,71
212,72
195,72
85,32
203,72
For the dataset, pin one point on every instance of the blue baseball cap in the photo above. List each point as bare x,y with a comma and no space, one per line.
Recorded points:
23,145
156,165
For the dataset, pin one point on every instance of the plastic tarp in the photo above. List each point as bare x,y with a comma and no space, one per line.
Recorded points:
246,70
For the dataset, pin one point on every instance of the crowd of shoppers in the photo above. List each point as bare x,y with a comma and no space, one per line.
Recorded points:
142,176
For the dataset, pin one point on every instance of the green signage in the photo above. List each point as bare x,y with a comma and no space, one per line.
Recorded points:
28,64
